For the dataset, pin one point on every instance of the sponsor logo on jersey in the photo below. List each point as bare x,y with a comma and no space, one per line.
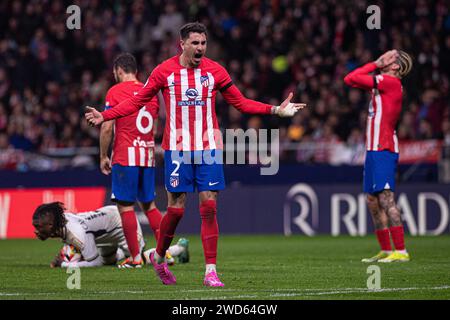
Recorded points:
191,93
204,80
191,103
142,143
174,181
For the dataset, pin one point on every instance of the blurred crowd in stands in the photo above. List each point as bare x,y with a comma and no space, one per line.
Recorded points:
48,73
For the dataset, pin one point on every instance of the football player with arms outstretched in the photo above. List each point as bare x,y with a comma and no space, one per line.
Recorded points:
192,142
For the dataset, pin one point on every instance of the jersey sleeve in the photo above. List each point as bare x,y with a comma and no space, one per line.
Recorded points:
89,250
97,262
386,83
360,77
143,97
83,241
153,107
223,79
234,97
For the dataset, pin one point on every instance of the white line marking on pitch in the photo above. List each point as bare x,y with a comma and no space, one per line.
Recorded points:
242,296
27,294
357,290
299,292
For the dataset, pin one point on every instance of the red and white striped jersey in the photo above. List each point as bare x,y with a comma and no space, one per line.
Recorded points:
134,144
384,108
189,95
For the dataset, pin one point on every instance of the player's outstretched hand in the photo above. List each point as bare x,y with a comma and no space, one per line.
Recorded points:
105,165
387,58
56,263
288,108
93,116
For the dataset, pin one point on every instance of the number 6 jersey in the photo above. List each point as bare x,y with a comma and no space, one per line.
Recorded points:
134,142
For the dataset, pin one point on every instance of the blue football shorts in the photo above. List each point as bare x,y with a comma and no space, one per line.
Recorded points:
187,171
131,183
380,170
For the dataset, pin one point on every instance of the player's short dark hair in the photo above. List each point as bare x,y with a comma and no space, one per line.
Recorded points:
53,209
192,27
127,62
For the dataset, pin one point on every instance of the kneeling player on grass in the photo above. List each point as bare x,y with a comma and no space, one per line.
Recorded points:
97,235
382,148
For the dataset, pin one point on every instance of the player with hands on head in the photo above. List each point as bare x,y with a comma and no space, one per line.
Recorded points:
382,148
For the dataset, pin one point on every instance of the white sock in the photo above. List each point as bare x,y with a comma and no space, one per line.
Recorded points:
402,251
176,250
210,268
387,251
120,255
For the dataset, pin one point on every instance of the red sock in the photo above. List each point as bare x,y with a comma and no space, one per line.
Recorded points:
129,225
167,228
209,230
154,217
398,237
383,239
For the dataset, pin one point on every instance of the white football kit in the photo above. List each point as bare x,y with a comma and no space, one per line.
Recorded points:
99,236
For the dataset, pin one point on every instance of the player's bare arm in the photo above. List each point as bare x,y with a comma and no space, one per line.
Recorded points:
56,262
387,59
106,134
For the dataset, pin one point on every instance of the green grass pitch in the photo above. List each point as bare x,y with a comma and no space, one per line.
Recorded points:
252,267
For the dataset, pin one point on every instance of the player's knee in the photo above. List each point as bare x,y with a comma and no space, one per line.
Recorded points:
394,215
146,206
208,195
386,199
124,206
371,200
177,199
208,209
